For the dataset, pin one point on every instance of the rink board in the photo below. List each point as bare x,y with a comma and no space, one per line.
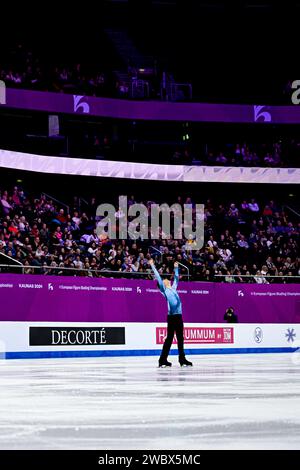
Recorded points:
61,339
53,316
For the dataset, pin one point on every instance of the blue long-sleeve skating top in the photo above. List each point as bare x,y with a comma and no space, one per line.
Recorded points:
170,293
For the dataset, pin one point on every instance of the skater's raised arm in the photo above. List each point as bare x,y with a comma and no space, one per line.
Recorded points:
157,276
176,277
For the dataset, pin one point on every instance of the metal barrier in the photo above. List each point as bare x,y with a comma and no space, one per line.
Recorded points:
48,196
183,265
258,278
18,263
139,89
73,271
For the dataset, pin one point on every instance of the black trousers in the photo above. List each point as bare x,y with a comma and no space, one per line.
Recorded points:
175,325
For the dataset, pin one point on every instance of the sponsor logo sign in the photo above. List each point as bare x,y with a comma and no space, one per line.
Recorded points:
75,336
199,335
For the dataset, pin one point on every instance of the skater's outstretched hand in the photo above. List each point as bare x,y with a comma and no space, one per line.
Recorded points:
151,262
175,264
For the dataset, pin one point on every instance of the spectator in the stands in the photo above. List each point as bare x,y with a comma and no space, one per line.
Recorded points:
6,206
253,206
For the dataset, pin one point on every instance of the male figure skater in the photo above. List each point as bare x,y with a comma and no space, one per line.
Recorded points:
175,323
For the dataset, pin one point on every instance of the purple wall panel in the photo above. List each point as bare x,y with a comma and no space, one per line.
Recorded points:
75,299
149,110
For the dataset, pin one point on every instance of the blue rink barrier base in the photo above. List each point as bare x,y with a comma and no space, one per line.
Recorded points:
136,352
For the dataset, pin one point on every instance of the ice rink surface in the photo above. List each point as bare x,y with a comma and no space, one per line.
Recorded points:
223,402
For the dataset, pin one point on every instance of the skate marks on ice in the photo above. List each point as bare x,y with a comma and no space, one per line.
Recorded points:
223,402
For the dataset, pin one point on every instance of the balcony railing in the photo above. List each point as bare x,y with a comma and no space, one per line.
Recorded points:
256,278
73,271
89,272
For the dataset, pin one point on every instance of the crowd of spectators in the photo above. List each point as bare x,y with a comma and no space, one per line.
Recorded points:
248,241
30,74
247,155
244,154
24,69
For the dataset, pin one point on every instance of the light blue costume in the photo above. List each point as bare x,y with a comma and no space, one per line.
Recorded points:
170,293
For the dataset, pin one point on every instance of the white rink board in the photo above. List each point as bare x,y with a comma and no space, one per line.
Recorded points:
141,339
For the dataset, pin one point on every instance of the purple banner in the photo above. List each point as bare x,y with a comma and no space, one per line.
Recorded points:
73,299
149,110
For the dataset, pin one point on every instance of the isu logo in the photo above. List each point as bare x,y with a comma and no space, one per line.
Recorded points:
139,290
258,335
50,286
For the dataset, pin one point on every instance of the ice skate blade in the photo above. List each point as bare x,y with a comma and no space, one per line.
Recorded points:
164,366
